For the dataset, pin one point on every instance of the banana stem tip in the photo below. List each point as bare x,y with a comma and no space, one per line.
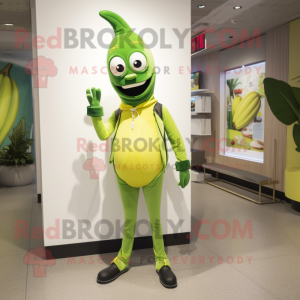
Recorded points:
6,69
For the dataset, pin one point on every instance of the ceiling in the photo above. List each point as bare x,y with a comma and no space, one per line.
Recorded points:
255,14
16,12
217,14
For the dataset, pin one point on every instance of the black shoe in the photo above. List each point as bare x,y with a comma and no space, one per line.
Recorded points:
167,277
110,274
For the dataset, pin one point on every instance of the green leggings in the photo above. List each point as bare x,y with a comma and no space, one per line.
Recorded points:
130,195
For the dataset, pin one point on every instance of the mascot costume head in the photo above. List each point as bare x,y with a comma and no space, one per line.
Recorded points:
130,62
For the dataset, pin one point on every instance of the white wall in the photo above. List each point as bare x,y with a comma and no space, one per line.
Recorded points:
68,191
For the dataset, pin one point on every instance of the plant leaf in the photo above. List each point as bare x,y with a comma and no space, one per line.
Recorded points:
282,101
229,120
17,152
296,78
296,92
296,135
236,83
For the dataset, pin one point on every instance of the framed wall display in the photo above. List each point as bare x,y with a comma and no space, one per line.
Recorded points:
245,112
193,104
196,80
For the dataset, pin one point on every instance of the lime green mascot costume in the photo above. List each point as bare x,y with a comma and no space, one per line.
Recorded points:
139,153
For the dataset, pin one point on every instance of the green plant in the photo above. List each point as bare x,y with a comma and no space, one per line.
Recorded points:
284,101
232,84
17,152
229,120
296,78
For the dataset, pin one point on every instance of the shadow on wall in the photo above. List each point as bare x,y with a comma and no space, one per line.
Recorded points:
85,199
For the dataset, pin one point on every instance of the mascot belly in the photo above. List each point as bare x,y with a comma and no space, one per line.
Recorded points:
137,160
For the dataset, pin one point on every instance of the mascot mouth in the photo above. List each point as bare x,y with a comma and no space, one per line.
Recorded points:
134,89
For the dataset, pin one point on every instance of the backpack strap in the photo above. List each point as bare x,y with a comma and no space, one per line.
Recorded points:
158,109
118,113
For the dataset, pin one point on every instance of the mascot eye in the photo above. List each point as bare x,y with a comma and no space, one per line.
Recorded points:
138,61
117,66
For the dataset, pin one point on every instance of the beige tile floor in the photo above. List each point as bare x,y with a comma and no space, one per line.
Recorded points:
263,266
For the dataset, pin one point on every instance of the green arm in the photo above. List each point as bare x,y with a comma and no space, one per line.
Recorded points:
104,130
174,136
95,111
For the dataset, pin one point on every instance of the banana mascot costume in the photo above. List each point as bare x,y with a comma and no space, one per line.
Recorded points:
140,126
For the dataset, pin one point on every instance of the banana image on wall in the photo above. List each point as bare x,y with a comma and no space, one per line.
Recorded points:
235,104
245,110
142,124
9,102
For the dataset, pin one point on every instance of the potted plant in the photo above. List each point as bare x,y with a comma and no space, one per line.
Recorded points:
16,162
232,84
284,102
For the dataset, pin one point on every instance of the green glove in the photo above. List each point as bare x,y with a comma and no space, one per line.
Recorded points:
184,177
184,172
94,110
